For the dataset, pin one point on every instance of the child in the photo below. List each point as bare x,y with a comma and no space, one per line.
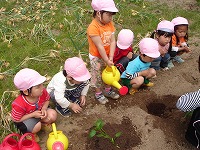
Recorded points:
179,40
163,34
68,88
190,102
138,70
102,45
30,109
124,51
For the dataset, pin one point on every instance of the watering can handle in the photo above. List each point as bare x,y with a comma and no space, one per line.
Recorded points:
10,135
54,130
23,136
113,70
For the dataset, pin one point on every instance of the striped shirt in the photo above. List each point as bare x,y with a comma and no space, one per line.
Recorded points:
189,101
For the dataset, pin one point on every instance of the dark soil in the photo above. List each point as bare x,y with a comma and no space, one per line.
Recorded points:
128,139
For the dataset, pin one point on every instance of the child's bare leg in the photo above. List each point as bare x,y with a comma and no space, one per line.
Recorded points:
37,128
137,82
152,73
51,116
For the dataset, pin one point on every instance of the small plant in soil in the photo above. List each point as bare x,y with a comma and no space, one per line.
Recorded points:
98,131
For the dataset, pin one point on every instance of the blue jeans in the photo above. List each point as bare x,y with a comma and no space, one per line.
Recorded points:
160,62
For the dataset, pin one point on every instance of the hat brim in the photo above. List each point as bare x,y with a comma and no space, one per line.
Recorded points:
85,77
154,55
122,47
166,30
110,9
40,80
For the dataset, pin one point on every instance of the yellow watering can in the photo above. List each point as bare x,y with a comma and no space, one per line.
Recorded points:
57,140
111,76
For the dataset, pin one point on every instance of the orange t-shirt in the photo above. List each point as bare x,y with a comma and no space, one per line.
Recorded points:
104,31
174,41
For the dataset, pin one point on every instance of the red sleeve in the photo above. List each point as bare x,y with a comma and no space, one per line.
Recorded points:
18,110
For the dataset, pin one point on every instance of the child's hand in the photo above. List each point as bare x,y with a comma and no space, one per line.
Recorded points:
187,49
129,55
109,63
43,113
37,114
82,99
75,107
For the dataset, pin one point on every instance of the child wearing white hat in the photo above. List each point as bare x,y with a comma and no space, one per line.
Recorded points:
30,109
68,88
101,39
179,40
138,71
124,51
163,34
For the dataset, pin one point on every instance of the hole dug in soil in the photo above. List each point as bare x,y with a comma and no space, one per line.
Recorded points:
128,139
156,109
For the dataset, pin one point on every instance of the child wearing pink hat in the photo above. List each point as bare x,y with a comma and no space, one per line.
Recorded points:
138,71
163,34
68,88
30,109
124,51
179,40
101,39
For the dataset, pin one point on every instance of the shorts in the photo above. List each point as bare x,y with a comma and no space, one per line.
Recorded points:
126,82
27,125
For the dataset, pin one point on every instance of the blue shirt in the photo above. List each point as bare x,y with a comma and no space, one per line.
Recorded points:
135,66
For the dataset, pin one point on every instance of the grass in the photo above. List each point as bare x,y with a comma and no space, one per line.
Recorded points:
42,34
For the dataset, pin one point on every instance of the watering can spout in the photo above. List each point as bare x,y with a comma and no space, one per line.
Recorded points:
111,76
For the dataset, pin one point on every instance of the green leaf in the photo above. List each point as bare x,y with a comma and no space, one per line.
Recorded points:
99,124
107,136
118,134
92,133
100,135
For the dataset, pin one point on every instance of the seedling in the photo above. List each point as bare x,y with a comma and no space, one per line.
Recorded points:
99,132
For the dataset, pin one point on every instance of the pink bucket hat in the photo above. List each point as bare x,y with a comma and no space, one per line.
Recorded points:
179,21
75,68
149,47
106,5
27,78
125,38
166,26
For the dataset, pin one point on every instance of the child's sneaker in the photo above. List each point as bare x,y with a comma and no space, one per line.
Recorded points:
65,112
132,91
170,64
165,69
178,59
150,84
101,98
111,94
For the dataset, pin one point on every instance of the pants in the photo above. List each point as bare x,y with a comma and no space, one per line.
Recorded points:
193,132
160,62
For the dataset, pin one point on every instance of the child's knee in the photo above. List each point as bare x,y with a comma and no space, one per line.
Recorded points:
37,127
52,115
152,72
138,81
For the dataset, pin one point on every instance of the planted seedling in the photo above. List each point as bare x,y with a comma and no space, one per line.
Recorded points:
99,132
